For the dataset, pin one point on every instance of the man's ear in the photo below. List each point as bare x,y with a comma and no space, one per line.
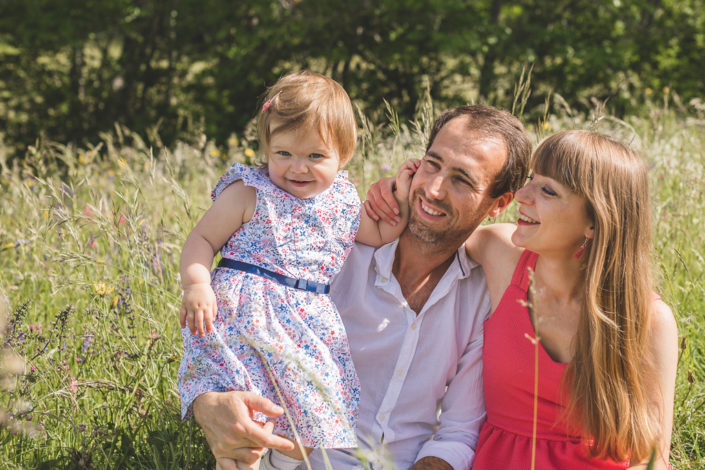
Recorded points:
500,204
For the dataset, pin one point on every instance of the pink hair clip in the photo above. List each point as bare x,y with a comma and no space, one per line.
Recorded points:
268,103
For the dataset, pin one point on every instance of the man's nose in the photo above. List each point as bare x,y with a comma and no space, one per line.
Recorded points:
436,187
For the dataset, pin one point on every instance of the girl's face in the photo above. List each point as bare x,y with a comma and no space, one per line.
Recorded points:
552,218
300,162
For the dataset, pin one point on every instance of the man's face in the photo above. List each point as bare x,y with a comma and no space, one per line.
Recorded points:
450,193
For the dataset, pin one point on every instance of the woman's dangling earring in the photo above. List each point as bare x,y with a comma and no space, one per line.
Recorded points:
579,253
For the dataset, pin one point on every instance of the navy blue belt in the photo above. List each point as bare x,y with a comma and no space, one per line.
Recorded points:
287,281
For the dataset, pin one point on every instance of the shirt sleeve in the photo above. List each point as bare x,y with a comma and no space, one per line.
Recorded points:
462,413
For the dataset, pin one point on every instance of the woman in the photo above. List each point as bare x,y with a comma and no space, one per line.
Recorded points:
578,349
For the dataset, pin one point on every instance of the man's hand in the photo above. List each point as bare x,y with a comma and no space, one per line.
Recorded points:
226,420
198,308
431,463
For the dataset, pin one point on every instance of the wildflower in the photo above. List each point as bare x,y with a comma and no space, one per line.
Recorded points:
546,126
73,384
215,152
249,153
648,91
115,301
78,359
101,288
154,335
666,90
233,141
147,165
121,163
111,173
386,167
82,158
45,214
7,246
30,183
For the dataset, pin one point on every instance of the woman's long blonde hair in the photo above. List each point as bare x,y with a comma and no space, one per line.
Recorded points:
610,374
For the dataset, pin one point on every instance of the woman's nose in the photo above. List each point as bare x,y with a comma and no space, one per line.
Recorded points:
523,194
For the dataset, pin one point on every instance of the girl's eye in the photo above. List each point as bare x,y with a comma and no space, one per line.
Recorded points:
316,156
283,153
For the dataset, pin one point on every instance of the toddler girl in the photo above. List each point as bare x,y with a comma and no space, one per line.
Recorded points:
283,231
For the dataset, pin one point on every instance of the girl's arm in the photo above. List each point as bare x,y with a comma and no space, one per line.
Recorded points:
663,343
379,232
233,207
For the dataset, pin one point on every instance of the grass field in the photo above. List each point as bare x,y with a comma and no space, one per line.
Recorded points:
89,248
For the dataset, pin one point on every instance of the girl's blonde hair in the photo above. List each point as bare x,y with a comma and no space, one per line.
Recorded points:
609,375
307,99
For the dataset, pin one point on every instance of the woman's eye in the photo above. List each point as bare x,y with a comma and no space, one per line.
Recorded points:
548,191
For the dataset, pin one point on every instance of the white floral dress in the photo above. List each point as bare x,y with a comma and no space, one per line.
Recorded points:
267,333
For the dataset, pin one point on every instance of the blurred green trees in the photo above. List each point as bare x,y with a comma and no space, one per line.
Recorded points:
70,69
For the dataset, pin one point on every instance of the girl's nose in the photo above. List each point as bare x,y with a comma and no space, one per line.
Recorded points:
299,165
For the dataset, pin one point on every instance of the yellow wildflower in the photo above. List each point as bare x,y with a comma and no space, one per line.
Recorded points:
30,183
648,91
7,246
233,141
115,301
215,152
546,126
249,153
666,90
82,158
45,214
121,162
101,288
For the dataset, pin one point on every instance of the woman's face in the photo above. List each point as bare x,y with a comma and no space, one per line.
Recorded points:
552,218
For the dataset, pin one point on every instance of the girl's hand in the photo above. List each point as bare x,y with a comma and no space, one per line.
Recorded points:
403,180
198,309
381,203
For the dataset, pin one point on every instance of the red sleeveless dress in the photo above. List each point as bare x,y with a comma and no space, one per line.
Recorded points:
505,440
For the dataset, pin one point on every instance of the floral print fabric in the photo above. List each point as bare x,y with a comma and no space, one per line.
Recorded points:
269,336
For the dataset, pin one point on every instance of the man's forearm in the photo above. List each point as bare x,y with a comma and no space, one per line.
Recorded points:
431,463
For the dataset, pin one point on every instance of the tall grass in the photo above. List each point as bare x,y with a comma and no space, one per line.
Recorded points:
89,247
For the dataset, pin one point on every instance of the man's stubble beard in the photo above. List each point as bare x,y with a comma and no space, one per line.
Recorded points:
432,236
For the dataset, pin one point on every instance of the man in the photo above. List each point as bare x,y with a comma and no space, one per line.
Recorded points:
413,311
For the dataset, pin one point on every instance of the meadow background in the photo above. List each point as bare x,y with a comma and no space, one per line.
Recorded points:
117,117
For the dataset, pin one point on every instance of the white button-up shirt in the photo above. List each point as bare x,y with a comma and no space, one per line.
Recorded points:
420,375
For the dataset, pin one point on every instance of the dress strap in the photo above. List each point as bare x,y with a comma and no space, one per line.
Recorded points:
521,277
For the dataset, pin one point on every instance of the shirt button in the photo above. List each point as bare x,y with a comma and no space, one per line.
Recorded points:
382,416
413,326
400,373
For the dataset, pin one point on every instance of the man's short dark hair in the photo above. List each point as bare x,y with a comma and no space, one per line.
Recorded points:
493,122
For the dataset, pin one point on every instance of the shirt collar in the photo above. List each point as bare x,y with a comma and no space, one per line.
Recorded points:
460,268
